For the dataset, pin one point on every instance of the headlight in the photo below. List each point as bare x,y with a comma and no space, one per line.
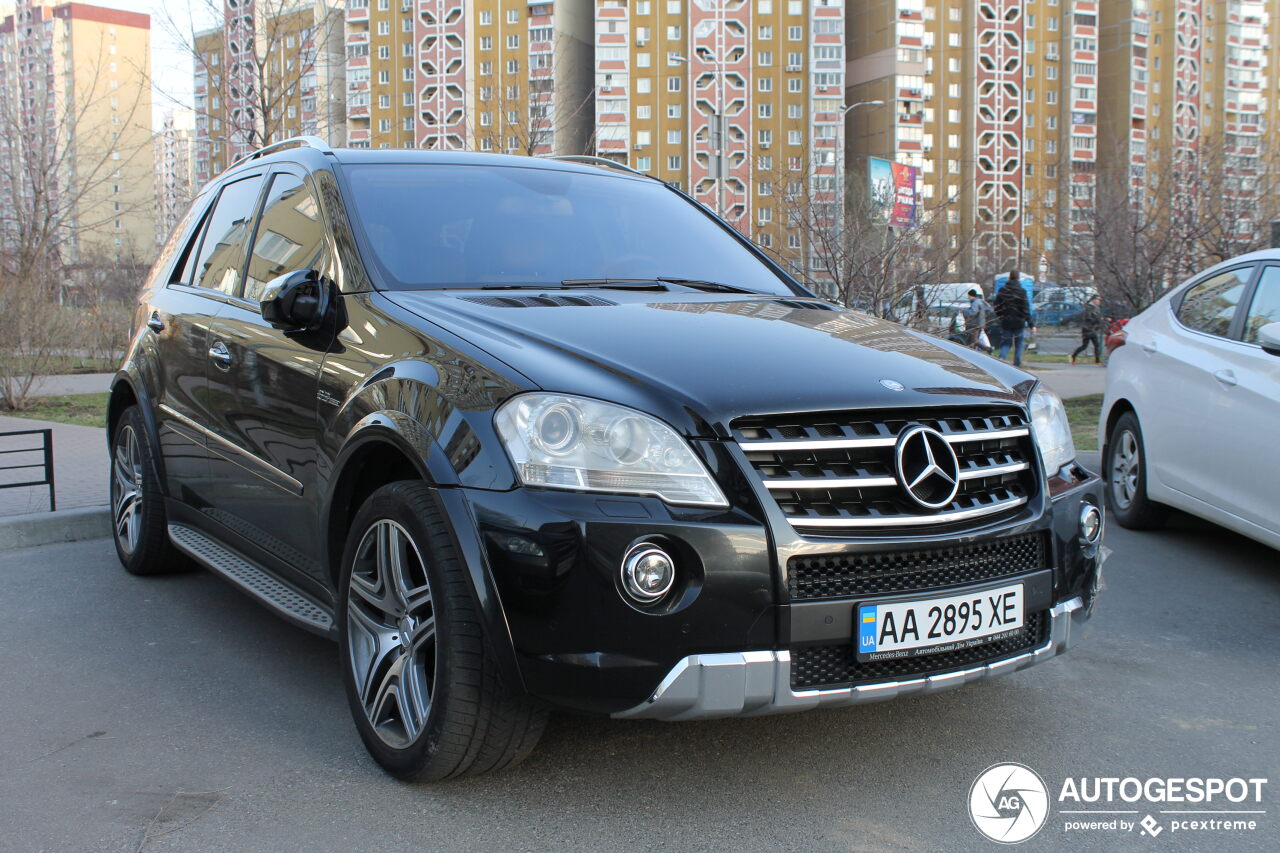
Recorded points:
1051,429
562,442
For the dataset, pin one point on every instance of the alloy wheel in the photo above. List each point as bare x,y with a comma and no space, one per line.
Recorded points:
126,487
1124,469
391,631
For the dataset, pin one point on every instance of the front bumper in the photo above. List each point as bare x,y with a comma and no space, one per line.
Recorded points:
757,683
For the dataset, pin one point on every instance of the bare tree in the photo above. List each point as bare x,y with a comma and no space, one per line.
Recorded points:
852,255
1149,229
505,121
61,160
257,64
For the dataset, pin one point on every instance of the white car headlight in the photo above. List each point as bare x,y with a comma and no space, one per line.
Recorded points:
1051,429
562,442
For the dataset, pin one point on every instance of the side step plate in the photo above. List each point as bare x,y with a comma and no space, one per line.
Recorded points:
263,586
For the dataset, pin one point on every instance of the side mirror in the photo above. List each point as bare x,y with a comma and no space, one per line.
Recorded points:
296,301
1269,338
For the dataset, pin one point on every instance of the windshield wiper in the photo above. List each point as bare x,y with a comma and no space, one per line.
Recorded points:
711,286
616,283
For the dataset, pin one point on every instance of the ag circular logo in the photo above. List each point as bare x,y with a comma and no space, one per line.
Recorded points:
1008,803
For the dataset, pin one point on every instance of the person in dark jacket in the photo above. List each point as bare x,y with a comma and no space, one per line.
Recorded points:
1091,322
1014,313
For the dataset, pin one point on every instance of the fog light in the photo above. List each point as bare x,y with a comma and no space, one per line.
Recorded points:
1090,523
647,573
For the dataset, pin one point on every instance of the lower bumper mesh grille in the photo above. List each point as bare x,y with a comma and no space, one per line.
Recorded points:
814,667
820,576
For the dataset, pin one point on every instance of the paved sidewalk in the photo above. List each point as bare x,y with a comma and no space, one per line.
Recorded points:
72,383
1069,380
79,465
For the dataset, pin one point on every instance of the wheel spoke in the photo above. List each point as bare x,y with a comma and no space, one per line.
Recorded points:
391,633
371,646
126,472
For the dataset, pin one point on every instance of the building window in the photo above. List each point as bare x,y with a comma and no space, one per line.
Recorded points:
513,16
673,163
764,111
513,42
764,84
673,111
486,42
673,84
673,137
764,57
486,18
644,164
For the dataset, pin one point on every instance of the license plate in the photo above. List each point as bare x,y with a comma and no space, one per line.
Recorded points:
928,626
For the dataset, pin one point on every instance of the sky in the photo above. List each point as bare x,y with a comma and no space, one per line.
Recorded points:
171,26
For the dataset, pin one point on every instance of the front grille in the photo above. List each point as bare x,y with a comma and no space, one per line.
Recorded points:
833,472
822,667
818,576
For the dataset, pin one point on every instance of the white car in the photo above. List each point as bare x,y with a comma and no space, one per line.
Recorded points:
1191,416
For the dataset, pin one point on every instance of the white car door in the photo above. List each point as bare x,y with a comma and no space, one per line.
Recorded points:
1189,420
1251,468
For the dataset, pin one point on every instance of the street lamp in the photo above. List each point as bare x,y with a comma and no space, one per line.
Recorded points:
844,112
716,129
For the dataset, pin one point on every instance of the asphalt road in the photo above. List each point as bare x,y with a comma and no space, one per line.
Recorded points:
172,714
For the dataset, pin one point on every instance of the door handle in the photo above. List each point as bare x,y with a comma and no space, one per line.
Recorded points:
1226,377
221,355
154,323
1148,346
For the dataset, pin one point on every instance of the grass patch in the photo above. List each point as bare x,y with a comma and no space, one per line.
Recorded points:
1083,412
78,409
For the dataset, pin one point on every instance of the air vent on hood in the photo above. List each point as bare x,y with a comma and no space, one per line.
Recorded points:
805,306
542,300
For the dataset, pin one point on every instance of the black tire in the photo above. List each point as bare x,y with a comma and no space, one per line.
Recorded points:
471,722
1126,477
138,524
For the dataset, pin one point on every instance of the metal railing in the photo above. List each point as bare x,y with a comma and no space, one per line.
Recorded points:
45,448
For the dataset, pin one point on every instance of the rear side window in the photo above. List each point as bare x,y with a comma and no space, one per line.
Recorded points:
1210,305
221,258
290,235
1265,307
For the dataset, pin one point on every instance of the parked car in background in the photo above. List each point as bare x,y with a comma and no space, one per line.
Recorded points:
914,307
1056,313
1192,404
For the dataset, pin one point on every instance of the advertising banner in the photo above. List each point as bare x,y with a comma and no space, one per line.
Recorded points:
893,191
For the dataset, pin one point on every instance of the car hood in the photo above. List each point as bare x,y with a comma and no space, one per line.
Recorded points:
700,360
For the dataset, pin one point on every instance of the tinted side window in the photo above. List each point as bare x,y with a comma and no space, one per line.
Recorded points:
222,250
1265,307
290,235
184,272
1210,305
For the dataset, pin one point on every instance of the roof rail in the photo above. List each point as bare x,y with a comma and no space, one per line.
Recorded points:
292,142
589,160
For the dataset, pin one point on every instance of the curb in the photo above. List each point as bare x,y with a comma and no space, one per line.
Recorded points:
45,528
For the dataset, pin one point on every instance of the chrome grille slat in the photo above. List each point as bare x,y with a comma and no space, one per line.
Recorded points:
831,471
907,520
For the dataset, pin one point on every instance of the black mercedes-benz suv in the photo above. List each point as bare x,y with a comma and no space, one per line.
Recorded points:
523,434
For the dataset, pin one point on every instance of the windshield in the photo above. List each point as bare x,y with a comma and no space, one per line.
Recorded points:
437,226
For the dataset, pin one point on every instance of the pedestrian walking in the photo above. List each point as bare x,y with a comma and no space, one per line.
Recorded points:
1013,310
1091,322
976,315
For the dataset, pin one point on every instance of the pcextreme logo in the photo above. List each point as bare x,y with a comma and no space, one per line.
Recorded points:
1009,803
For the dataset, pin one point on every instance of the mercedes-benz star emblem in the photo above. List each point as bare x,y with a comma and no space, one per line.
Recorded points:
927,467
893,385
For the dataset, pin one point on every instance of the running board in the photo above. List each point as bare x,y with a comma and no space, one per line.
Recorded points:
257,582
